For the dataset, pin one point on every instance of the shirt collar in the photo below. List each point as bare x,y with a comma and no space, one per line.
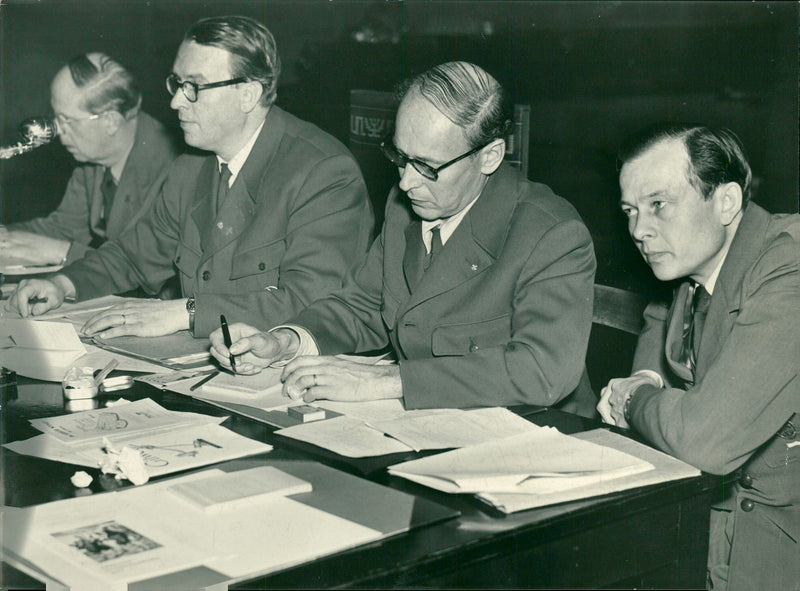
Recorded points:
712,279
446,226
236,163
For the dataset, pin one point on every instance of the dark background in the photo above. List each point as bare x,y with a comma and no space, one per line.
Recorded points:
592,71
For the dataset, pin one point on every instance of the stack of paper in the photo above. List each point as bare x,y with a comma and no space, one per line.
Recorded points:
168,441
543,467
40,350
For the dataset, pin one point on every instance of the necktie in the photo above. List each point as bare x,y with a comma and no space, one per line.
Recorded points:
694,319
222,187
436,245
108,188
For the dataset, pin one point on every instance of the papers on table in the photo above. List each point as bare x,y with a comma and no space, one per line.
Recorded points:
178,351
169,441
666,468
407,431
542,467
107,541
41,350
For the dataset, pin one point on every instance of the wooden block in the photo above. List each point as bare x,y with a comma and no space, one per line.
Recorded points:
306,413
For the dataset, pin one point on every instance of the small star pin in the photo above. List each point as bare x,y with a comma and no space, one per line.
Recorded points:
474,267
220,225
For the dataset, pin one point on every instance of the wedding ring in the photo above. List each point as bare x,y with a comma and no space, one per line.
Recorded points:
315,379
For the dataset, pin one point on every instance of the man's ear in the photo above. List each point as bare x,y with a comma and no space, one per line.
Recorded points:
112,121
492,156
728,199
251,94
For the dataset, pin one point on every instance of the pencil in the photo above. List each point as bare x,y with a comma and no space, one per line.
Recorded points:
206,379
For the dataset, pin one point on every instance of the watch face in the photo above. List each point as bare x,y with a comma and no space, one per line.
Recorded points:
190,305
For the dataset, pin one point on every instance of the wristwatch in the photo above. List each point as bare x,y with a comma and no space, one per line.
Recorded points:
190,309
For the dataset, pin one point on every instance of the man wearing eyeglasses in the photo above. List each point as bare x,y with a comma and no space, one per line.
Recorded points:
257,230
124,155
481,281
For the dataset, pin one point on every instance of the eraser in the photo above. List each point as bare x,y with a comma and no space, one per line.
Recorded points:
307,413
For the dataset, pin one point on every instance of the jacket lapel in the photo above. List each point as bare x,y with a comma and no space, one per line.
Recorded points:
477,241
726,300
674,338
414,254
202,207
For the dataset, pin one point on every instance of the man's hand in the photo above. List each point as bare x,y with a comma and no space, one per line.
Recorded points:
37,296
254,350
33,249
315,378
613,397
144,318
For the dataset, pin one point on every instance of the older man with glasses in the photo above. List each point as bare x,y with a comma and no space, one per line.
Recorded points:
265,224
124,155
481,281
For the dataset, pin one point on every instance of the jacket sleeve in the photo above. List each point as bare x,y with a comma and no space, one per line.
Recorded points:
70,220
141,256
550,323
650,353
752,387
328,230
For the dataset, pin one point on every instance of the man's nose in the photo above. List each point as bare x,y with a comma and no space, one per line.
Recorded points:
640,227
178,100
409,177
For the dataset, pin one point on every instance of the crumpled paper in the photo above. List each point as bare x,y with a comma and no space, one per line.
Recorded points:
81,479
125,463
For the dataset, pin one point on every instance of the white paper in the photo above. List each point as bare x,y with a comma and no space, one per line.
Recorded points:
445,428
139,416
346,436
40,350
666,468
133,528
536,461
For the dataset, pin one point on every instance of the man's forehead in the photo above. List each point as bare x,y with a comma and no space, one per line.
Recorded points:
194,60
423,130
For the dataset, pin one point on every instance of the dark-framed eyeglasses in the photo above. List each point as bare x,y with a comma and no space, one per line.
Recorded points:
190,89
400,160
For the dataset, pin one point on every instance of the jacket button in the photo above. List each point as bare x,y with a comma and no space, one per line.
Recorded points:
206,275
510,347
261,266
473,347
178,260
746,481
747,505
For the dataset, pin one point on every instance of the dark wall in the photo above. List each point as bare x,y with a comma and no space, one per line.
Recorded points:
592,71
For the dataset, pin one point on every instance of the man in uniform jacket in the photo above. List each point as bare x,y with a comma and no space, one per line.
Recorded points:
258,230
502,314
124,155
722,394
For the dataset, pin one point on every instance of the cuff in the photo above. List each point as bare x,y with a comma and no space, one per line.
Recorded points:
308,346
655,376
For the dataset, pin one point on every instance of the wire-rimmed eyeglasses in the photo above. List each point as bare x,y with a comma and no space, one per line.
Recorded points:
190,89
400,160
63,121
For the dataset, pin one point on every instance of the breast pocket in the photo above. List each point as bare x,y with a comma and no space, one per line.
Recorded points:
186,260
462,339
258,260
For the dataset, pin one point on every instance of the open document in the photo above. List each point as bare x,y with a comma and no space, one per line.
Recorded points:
543,467
540,460
168,441
41,350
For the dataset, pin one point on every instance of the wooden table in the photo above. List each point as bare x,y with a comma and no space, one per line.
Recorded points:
650,537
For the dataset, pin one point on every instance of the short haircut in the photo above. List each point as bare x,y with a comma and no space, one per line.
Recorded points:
468,96
716,156
254,53
106,84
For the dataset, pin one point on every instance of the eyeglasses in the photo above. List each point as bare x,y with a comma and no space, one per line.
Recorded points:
62,121
190,89
400,160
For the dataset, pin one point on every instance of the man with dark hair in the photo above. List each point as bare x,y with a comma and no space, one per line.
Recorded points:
260,228
124,154
480,280
715,376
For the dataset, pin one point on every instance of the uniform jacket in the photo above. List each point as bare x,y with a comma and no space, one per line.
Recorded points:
78,216
296,217
746,388
501,317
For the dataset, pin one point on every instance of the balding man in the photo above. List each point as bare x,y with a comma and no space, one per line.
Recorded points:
123,157
481,281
